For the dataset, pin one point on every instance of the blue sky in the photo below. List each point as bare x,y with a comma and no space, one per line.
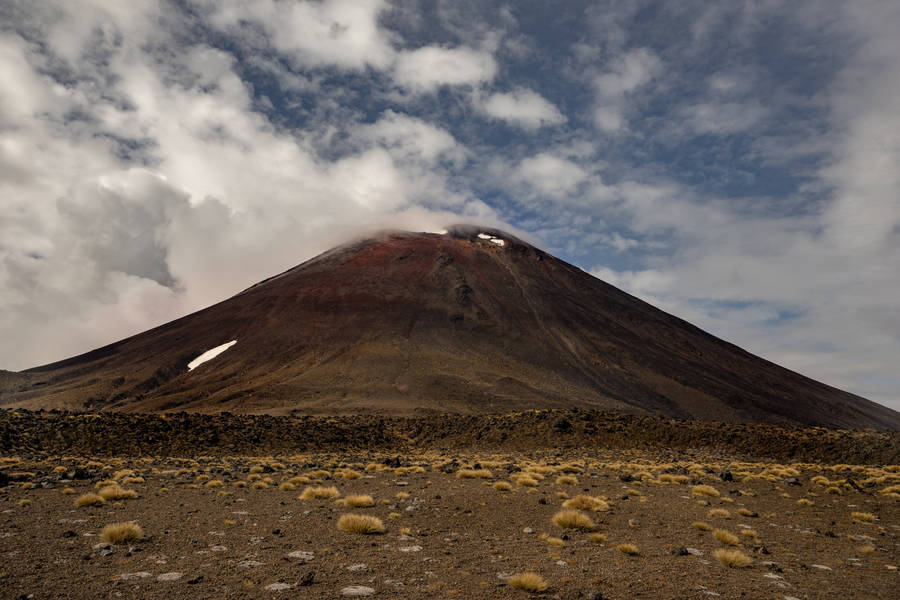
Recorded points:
736,164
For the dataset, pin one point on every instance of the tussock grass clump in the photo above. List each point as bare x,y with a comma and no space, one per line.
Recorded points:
259,485
114,492
705,490
572,519
629,549
68,491
555,542
474,474
866,550
734,558
358,501
585,502
363,524
597,538
118,533
725,537
350,474
525,481
701,526
319,493
749,533
128,480
89,500
719,512
401,495
256,469
745,512
530,582
214,483
287,486
503,486
104,483
299,480
863,517
669,478
566,480
804,502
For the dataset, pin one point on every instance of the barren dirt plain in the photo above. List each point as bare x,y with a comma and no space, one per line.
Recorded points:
581,511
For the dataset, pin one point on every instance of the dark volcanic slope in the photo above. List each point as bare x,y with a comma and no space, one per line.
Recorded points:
425,322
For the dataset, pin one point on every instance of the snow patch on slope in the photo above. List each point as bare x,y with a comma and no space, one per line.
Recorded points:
493,239
210,354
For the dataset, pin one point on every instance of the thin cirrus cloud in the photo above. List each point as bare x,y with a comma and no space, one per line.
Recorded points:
158,157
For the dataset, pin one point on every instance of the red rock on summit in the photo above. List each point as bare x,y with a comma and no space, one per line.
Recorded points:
471,321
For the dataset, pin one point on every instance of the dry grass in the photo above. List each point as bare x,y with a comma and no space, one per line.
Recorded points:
259,485
863,517
734,558
629,549
89,500
215,483
319,493
572,519
474,474
720,513
585,502
725,537
287,486
503,486
705,490
597,538
68,491
555,542
526,481
701,526
530,582
118,533
363,524
114,492
358,501
804,502
566,480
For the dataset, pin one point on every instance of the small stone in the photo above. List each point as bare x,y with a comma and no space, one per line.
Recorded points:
528,530
357,590
172,576
249,564
680,551
132,576
307,578
278,587
195,580
301,555
821,567
411,549
358,568
694,551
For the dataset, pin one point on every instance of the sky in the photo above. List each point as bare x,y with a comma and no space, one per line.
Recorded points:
736,163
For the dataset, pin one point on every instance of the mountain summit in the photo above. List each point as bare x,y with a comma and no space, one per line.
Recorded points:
472,320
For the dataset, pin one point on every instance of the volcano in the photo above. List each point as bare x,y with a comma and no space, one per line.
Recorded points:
472,320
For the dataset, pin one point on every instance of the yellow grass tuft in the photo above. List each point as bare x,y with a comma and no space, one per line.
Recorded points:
719,512
585,502
287,486
804,502
299,480
555,542
734,558
360,524
705,490
68,491
359,501
214,483
572,519
118,533
259,485
725,537
114,492
745,512
863,517
597,538
319,493
503,486
530,582
474,474
89,500
525,481
629,549
701,526
566,480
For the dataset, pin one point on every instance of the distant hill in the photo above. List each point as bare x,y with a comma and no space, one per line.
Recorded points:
470,321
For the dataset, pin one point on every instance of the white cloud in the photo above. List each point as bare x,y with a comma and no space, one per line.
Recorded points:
430,67
524,108
343,33
551,175
626,74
